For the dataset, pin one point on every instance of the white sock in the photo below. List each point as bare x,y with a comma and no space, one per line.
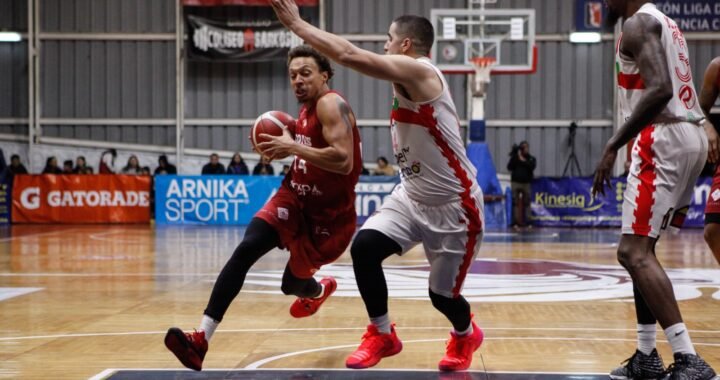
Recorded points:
382,323
646,338
322,290
679,339
467,331
208,325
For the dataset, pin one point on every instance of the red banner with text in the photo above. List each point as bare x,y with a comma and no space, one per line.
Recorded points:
102,198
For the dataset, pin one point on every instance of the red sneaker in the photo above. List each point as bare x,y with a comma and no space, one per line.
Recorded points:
189,348
460,350
305,307
375,346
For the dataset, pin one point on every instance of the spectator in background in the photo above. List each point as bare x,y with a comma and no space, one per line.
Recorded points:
67,167
263,167
107,162
81,166
16,167
384,167
214,166
237,165
165,167
145,171
364,170
286,170
51,166
521,167
3,164
133,166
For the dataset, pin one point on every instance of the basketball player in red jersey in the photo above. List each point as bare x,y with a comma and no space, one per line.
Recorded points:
658,103
708,94
312,214
438,202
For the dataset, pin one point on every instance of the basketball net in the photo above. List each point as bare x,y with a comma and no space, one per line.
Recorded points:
483,66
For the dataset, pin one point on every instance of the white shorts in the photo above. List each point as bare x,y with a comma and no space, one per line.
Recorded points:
451,234
666,162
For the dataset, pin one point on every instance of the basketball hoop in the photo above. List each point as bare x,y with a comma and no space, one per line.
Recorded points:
483,67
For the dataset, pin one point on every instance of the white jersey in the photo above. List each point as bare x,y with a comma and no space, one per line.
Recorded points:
684,105
428,147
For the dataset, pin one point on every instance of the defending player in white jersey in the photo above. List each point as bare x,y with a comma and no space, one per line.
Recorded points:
659,106
438,203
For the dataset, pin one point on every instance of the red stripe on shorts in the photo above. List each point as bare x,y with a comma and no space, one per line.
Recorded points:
646,187
425,117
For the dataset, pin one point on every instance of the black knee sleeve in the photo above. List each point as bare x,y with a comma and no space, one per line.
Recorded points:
301,287
456,310
369,249
260,237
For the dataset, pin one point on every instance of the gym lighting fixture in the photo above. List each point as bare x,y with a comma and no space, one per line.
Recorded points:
10,37
585,37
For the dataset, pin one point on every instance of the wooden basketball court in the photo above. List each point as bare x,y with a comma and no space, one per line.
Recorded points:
83,301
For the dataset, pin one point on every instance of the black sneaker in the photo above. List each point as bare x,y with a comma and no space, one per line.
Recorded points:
690,367
640,366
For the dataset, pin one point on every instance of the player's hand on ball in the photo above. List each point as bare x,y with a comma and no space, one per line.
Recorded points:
277,147
713,142
602,173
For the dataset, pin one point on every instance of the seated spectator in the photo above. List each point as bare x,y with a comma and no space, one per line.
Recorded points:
51,166
16,167
214,166
133,166
286,170
364,170
67,167
384,167
145,170
107,162
165,167
237,165
263,167
81,166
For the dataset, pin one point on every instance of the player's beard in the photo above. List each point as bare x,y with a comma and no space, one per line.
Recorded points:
611,19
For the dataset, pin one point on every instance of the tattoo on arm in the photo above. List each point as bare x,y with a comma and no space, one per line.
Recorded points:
345,112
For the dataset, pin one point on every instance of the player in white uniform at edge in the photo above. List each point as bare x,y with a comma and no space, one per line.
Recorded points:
659,107
438,202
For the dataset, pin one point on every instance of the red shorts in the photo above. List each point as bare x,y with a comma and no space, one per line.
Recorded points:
712,209
313,241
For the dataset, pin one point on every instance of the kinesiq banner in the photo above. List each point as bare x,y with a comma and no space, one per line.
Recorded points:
245,41
221,199
566,202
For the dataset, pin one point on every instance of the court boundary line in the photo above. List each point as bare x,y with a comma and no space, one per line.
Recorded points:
310,329
110,371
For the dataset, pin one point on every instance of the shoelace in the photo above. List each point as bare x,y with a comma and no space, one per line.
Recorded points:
676,367
370,341
306,303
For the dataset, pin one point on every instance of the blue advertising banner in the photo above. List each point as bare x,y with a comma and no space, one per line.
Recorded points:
566,202
233,200
371,193
690,15
221,199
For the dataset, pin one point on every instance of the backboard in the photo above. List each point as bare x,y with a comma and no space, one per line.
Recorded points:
507,35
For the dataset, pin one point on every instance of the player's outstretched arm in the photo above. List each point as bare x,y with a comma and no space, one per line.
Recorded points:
337,120
641,40
399,69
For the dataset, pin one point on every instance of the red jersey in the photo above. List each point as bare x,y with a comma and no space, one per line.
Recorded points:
324,194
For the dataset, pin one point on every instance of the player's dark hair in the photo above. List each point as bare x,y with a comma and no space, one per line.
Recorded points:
419,29
307,51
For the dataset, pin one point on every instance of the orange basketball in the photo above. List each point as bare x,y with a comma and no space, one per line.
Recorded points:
271,123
